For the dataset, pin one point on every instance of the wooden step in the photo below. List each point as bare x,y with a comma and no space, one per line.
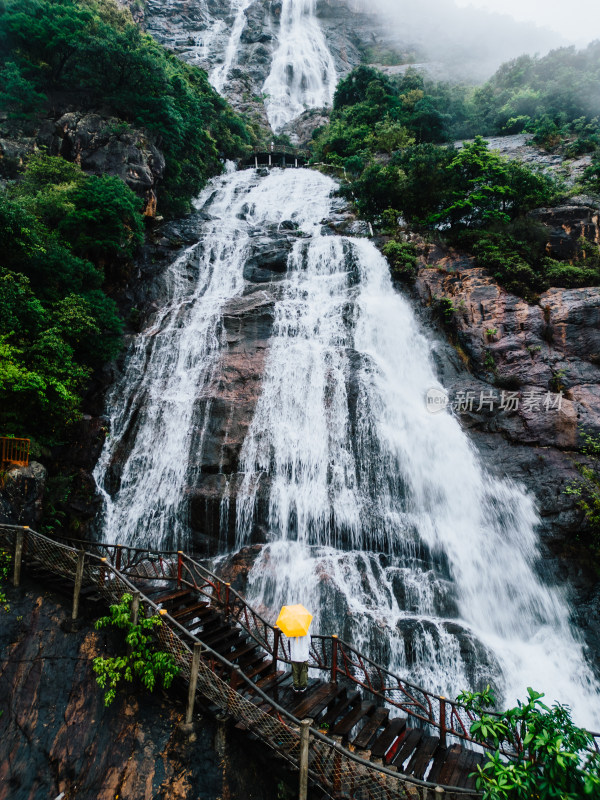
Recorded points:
186,611
385,740
411,739
370,728
335,690
461,770
477,760
340,708
307,702
269,681
243,650
260,669
172,597
351,719
441,772
423,756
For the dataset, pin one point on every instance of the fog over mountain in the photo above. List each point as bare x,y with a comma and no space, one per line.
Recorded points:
467,42
580,23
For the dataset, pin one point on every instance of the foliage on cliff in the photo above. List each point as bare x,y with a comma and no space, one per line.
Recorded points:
389,138
59,229
90,54
587,494
142,659
555,760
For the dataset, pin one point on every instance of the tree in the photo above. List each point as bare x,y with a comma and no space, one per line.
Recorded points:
555,760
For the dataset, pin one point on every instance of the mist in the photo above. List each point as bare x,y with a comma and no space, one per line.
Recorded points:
465,43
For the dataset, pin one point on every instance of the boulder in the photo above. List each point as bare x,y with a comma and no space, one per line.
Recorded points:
21,494
107,146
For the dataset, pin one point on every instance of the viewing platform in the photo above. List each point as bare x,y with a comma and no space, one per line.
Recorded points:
277,156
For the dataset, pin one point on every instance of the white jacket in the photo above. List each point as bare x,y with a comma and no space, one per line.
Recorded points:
300,648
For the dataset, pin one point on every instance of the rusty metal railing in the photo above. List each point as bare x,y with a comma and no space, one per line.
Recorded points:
329,654
337,771
14,451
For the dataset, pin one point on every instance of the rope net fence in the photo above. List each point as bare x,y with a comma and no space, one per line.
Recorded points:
336,771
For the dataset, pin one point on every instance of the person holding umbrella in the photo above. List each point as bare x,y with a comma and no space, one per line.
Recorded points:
294,622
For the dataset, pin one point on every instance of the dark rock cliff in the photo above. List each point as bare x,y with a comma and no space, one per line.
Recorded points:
57,737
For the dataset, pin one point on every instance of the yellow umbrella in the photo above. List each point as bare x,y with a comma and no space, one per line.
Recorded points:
294,620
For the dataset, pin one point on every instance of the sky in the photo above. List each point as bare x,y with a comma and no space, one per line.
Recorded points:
577,20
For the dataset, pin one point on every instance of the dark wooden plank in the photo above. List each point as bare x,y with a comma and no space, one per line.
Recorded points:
243,650
386,739
172,597
187,610
267,684
469,782
351,719
447,768
371,728
345,702
334,692
422,756
460,773
311,705
438,762
409,743
260,668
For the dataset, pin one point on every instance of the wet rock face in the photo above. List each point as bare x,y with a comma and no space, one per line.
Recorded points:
540,350
21,494
507,349
567,226
199,33
57,736
106,147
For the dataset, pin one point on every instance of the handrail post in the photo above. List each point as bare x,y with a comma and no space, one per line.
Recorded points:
18,557
304,742
78,582
103,571
227,588
179,567
193,682
135,608
334,658
118,558
443,730
276,638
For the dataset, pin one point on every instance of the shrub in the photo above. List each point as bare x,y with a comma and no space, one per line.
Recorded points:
557,760
141,659
403,259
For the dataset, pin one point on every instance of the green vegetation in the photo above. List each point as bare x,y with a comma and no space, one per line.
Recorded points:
142,660
5,560
61,232
90,53
554,97
390,137
587,492
557,761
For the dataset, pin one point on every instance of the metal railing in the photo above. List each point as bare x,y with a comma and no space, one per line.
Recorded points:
338,772
328,654
14,451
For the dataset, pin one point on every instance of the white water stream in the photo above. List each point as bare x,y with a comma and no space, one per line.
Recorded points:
381,518
220,74
303,71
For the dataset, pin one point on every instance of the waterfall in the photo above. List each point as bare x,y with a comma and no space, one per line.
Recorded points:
380,517
303,71
219,75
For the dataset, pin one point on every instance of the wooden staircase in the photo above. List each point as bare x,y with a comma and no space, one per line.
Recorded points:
354,720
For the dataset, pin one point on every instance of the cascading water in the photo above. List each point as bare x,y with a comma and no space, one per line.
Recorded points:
303,71
219,75
380,517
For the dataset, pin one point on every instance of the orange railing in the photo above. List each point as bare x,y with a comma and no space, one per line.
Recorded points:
14,451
